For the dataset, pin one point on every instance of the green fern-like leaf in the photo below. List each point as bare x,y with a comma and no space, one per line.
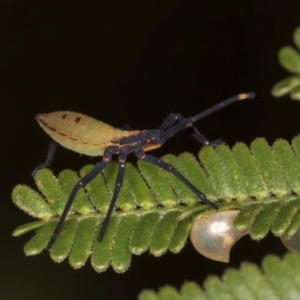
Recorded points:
278,279
155,210
289,58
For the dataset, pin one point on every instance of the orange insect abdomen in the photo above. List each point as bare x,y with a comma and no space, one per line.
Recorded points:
79,132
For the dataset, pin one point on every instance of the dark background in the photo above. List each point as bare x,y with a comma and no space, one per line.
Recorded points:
132,62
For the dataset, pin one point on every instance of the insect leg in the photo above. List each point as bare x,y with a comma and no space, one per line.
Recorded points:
190,121
118,185
80,184
49,158
202,139
170,121
156,161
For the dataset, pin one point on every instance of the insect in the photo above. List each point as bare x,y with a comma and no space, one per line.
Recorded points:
88,136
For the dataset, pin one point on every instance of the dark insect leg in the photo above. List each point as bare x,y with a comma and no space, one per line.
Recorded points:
190,121
171,169
202,139
49,158
80,184
118,185
170,121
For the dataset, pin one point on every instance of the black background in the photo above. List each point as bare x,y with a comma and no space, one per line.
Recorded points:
132,62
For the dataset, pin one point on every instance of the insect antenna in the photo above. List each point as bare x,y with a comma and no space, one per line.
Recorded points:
189,121
224,103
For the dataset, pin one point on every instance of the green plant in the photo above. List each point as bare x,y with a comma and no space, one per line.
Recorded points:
278,279
289,58
160,217
155,211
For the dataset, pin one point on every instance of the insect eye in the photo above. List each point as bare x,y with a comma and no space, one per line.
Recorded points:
148,141
213,236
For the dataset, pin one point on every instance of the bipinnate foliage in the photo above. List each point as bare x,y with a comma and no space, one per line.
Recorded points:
155,210
289,58
277,279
